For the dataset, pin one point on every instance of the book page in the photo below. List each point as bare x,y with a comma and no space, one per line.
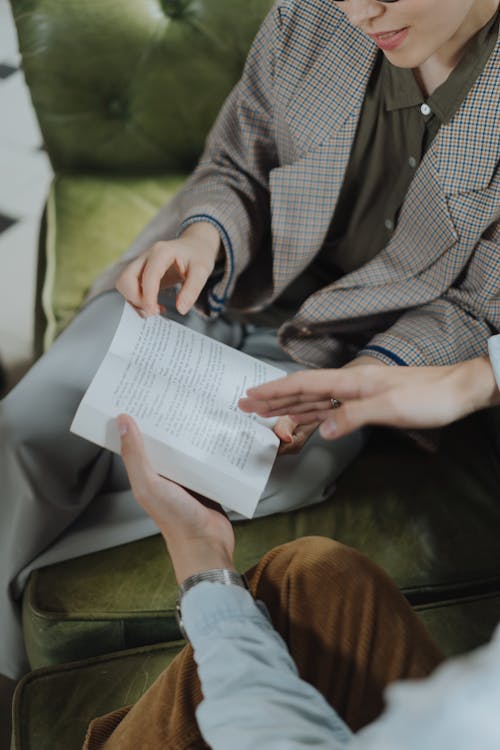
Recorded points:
182,388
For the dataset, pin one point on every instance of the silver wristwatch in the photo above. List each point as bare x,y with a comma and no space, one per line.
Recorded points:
216,575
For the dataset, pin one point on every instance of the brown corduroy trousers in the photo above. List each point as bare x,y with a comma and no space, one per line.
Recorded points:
348,628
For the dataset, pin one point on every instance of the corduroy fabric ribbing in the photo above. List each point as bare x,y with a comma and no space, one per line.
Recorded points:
348,628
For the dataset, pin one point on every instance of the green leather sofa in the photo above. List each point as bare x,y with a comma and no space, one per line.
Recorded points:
125,91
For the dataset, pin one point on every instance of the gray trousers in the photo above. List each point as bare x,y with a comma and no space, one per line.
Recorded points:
62,497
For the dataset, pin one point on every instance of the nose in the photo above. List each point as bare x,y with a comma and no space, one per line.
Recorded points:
362,12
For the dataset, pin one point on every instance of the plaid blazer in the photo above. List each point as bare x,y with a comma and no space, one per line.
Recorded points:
270,177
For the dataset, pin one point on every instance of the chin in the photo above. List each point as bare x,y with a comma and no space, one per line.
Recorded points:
405,58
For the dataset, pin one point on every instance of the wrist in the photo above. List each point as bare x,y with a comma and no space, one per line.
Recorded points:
218,576
364,359
205,236
477,382
192,556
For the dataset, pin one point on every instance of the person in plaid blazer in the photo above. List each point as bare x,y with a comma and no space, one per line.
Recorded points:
272,172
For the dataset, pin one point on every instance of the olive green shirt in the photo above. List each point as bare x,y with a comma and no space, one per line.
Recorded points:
396,127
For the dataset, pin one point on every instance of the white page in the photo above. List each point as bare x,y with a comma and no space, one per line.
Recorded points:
182,388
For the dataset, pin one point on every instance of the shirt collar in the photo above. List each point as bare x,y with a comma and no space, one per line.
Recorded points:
401,89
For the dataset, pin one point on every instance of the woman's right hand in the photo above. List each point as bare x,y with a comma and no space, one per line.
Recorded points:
188,261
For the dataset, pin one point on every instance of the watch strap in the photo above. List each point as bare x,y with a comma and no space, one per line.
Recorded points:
216,575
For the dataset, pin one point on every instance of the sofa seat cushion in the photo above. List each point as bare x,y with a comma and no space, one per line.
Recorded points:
90,222
52,708
430,520
459,625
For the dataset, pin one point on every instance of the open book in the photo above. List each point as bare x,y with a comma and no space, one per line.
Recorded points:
182,389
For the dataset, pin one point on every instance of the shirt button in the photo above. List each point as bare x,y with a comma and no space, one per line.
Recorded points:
425,109
412,162
304,331
389,224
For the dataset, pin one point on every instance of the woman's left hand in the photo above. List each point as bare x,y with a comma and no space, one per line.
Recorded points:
293,434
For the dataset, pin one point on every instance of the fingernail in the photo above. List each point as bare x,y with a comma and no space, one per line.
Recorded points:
329,428
122,426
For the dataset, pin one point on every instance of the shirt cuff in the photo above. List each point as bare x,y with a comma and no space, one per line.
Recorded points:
216,303
494,352
383,354
207,605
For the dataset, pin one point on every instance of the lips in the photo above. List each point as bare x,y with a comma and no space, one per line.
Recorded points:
388,40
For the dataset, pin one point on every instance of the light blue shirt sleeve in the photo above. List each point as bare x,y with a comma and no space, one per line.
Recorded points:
457,707
494,354
253,696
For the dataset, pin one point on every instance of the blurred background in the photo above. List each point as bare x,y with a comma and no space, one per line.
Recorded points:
25,174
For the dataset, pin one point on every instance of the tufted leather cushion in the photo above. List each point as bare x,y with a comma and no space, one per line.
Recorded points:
120,89
53,707
431,521
90,221
131,86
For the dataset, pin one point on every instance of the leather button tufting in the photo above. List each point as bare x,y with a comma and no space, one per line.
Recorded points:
117,109
178,9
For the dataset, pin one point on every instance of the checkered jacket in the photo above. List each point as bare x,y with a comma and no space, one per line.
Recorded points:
270,177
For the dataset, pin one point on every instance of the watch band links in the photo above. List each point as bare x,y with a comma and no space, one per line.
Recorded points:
216,575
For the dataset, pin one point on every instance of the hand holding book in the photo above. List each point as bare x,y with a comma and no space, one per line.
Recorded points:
198,537
182,389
